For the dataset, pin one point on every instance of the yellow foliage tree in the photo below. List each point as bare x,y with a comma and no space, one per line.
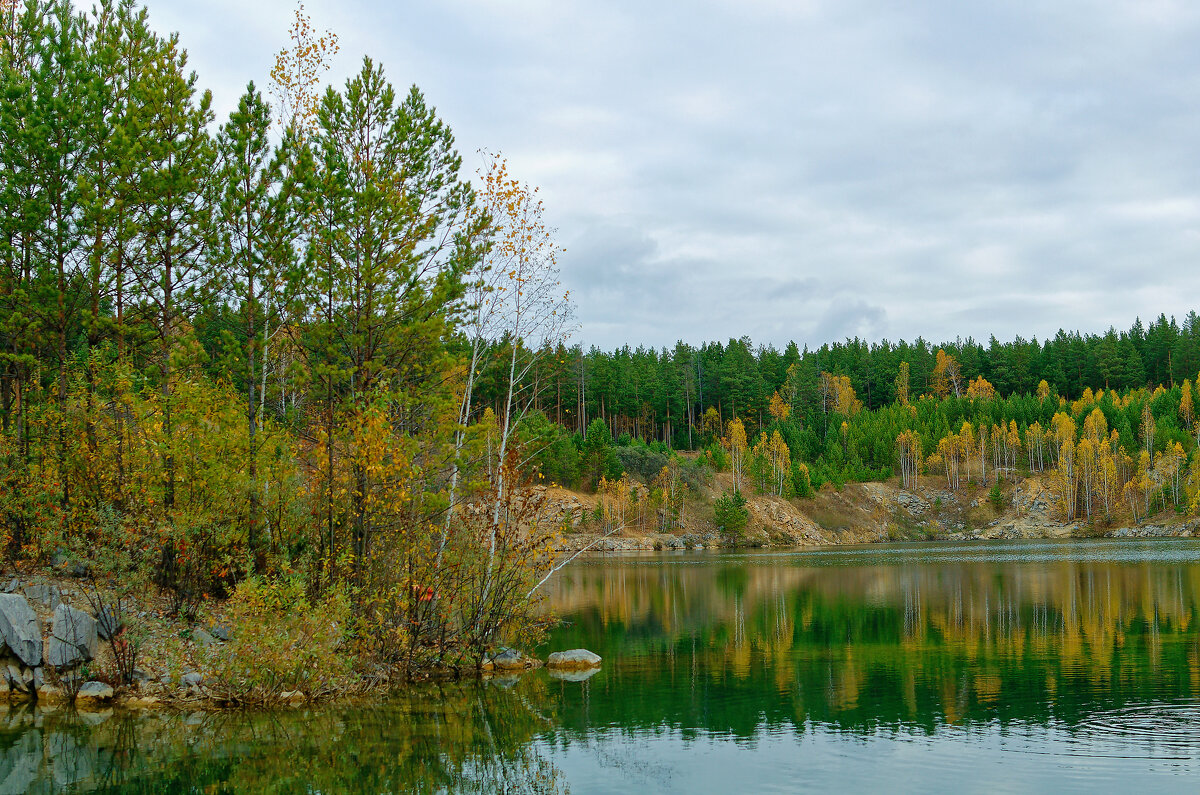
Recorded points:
781,464
981,389
296,75
778,408
902,389
1187,411
947,376
735,445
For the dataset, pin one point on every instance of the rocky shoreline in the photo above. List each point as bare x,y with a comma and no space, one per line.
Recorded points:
59,637
50,668
864,513
994,532
54,654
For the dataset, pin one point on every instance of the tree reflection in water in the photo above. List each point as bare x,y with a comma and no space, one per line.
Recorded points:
858,641
461,739
1090,651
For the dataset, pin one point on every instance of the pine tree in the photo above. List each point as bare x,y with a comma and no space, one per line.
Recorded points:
253,246
173,215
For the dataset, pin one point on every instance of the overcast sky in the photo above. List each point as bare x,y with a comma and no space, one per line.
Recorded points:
805,169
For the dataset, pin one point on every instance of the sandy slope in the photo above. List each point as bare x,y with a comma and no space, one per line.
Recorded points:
865,513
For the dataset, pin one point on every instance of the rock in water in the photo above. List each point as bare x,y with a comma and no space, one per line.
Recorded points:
73,638
19,629
575,658
509,660
94,691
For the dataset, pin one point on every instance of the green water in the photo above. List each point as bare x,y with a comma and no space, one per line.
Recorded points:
1016,666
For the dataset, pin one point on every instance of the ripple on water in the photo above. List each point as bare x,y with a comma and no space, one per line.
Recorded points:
1153,731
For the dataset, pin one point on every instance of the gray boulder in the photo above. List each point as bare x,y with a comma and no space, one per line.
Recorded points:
94,691
48,595
108,623
509,660
19,629
73,638
575,658
191,680
19,679
202,637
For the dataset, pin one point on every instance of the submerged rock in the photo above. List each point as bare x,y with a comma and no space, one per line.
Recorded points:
49,694
575,658
19,629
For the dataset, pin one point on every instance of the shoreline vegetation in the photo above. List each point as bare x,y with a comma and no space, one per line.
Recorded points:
288,410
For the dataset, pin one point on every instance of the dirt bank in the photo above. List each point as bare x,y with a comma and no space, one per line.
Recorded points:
861,513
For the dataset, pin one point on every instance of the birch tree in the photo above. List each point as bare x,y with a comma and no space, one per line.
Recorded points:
523,301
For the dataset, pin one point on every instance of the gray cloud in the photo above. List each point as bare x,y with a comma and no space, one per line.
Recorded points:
809,170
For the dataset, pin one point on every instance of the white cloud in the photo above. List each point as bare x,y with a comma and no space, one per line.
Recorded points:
807,169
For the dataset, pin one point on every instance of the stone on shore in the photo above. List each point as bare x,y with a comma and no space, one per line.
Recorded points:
94,692
19,679
575,658
19,629
48,595
201,638
108,622
293,697
510,660
73,638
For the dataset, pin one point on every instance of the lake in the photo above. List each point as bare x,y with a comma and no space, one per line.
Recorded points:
1002,666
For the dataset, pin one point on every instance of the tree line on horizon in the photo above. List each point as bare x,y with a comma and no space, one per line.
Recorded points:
1112,445
662,393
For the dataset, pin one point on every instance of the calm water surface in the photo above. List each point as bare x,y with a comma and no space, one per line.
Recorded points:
1014,666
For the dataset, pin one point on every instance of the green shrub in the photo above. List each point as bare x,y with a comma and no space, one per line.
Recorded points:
281,641
639,459
731,515
996,497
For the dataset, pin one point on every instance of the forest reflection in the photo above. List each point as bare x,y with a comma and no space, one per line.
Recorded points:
747,642
1086,652
455,739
